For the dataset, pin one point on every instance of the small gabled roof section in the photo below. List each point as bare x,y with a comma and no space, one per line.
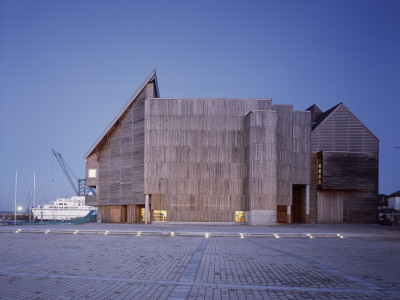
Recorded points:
151,78
331,111
315,112
325,115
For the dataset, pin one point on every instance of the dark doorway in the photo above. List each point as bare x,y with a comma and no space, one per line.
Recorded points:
123,214
282,214
297,207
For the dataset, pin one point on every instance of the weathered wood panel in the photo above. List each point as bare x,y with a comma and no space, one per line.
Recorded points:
261,184
121,157
133,214
301,171
346,170
113,213
92,163
342,131
360,206
284,153
195,156
313,188
329,207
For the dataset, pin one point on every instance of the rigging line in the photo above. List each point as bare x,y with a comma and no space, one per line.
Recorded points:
28,200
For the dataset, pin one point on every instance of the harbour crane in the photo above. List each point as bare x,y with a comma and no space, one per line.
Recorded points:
81,190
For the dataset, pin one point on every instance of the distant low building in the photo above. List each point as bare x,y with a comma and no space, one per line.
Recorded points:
382,202
394,201
228,160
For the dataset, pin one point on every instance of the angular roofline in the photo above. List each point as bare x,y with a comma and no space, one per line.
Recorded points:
325,115
150,78
330,111
257,99
312,106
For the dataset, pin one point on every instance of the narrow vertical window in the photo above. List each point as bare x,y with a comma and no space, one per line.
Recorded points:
319,172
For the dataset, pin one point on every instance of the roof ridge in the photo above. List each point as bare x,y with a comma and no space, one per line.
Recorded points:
151,77
325,115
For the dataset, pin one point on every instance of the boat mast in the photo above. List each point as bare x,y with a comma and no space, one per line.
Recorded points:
34,189
15,197
30,205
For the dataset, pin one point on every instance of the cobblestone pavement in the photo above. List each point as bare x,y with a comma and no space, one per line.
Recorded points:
122,266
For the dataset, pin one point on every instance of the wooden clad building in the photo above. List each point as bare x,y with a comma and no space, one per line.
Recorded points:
231,160
201,160
345,156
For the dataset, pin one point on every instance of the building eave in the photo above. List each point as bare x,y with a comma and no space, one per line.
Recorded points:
152,77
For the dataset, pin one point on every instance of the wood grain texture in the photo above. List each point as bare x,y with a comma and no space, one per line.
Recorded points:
261,183
341,131
349,171
120,158
195,156
203,159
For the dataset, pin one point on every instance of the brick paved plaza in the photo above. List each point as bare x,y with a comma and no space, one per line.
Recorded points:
123,264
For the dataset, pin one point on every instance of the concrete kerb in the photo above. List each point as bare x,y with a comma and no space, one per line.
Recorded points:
184,233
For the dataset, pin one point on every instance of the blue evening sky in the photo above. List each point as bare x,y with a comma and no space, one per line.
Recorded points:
68,67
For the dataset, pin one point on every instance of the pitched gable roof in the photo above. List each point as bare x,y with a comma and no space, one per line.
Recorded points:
325,115
330,112
316,112
152,77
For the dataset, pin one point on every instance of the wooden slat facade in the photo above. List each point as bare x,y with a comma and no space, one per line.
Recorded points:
195,157
119,162
207,158
342,131
201,160
349,170
262,157
349,155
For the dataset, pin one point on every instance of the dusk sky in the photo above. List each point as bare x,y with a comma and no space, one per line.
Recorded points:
68,67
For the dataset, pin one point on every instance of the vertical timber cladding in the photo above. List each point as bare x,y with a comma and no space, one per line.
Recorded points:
121,162
195,156
313,188
92,163
350,169
356,175
261,185
301,162
284,153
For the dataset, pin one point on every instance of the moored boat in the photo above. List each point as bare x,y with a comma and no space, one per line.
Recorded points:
64,209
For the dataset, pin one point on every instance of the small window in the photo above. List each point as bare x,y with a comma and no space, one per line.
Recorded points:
92,173
159,215
239,216
319,173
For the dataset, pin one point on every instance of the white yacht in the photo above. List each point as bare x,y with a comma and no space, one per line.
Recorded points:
64,209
